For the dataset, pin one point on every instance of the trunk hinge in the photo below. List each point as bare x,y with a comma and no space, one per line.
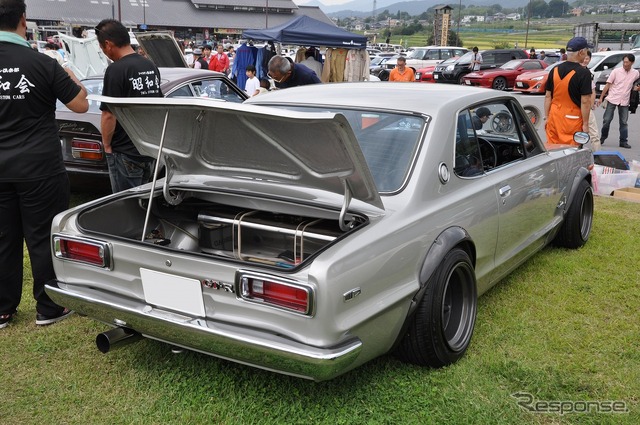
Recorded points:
345,225
155,176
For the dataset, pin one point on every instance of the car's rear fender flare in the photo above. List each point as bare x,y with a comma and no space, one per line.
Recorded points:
450,238
582,174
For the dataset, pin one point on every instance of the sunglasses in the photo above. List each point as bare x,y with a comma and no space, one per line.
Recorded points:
281,79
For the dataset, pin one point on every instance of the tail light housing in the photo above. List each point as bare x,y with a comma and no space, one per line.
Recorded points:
276,292
85,251
86,149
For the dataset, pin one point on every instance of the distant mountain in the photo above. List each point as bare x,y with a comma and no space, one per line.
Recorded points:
363,8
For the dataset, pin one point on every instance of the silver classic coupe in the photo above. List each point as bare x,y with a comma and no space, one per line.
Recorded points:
310,230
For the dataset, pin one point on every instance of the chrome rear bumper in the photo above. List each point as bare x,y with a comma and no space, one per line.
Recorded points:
227,341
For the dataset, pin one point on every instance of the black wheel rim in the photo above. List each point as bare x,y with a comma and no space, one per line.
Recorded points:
499,84
458,307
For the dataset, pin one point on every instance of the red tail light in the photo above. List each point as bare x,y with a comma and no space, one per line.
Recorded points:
286,295
86,149
83,251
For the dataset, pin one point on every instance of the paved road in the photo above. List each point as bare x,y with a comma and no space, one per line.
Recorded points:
612,142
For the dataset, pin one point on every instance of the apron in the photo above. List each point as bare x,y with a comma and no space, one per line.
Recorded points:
565,117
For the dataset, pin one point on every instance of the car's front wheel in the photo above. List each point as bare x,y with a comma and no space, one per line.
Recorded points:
441,328
500,83
577,224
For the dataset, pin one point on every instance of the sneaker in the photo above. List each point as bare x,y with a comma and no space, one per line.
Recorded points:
5,319
42,320
625,145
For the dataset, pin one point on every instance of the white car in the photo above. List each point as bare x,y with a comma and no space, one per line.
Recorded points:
422,57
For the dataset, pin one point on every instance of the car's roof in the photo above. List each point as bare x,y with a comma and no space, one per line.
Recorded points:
381,96
173,74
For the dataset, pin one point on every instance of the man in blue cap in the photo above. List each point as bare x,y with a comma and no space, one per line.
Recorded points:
567,102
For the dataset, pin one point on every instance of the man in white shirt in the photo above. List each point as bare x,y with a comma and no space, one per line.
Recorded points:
311,63
476,60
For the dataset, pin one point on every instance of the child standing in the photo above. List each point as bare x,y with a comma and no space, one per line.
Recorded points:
252,86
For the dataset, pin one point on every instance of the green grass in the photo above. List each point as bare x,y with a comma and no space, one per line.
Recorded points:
564,326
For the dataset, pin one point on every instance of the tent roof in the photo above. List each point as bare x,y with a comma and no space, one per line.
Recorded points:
307,31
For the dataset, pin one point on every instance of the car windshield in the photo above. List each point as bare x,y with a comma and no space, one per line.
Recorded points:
511,64
389,142
466,58
377,60
595,60
93,86
417,54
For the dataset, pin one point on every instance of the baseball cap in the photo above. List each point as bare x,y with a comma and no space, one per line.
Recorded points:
577,44
483,112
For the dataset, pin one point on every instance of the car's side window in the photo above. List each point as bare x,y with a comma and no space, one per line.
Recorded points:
468,162
532,65
183,91
488,58
492,135
216,89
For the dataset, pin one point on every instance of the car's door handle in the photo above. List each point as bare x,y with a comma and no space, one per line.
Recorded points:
505,191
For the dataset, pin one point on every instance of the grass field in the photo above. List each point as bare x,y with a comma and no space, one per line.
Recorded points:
563,327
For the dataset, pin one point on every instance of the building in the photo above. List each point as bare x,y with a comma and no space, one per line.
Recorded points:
199,20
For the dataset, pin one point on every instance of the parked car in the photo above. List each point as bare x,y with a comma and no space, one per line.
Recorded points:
601,61
425,75
534,82
310,230
80,136
455,72
504,77
378,65
422,57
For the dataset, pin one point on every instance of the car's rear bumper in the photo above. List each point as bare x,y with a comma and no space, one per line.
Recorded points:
225,340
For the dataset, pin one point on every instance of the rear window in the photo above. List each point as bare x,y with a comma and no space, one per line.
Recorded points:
93,86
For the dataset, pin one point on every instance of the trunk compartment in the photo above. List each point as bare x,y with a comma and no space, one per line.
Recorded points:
250,235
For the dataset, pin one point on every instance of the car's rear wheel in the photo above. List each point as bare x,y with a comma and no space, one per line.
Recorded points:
500,83
384,75
441,328
577,224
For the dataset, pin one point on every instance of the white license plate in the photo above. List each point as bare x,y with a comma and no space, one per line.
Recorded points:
467,82
519,84
435,76
173,292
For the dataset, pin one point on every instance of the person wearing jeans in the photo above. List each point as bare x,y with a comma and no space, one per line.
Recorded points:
126,171
618,91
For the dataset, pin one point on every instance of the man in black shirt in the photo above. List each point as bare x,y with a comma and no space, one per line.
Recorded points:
130,75
34,186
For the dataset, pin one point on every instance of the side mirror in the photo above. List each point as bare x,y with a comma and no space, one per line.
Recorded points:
581,138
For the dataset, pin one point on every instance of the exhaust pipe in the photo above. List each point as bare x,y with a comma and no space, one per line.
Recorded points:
116,337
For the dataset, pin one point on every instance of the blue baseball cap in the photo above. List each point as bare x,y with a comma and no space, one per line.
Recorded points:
578,43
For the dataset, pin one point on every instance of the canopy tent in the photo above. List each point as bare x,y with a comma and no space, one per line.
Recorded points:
306,31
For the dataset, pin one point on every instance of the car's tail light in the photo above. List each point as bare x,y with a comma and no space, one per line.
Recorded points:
86,149
277,293
90,252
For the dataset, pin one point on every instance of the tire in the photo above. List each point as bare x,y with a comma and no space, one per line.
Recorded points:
383,75
441,328
461,79
500,83
578,220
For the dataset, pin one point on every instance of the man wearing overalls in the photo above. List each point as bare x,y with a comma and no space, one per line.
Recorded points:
567,102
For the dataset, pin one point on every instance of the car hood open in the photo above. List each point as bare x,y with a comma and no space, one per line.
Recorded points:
162,48
85,56
290,149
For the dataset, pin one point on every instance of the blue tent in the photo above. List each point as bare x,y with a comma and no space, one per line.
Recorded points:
306,31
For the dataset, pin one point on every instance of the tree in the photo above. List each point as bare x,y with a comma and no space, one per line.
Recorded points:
539,8
558,8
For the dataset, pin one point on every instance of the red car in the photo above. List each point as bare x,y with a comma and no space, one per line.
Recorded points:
534,82
503,78
425,75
